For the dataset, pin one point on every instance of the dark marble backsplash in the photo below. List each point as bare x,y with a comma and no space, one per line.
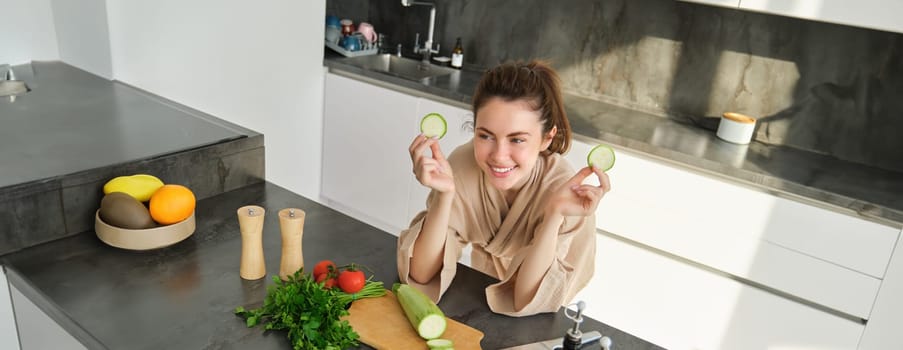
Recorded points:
826,88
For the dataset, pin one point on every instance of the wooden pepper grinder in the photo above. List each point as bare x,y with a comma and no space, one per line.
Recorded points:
291,222
250,222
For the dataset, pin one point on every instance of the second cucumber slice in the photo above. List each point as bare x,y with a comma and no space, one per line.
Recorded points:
433,125
602,157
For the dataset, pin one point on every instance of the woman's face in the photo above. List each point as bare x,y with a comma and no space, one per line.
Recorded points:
507,141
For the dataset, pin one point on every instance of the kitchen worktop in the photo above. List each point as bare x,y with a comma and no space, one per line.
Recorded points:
842,186
73,121
74,131
183,296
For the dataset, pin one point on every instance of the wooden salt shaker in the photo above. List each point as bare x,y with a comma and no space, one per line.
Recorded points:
250,222
291,222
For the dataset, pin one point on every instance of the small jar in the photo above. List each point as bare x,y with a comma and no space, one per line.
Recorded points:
736,128
347,27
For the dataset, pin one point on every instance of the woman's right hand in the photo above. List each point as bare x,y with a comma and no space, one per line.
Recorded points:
433,172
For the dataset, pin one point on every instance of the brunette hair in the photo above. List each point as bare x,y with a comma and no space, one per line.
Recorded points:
538,84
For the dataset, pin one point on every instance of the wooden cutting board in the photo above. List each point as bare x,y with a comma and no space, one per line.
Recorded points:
382,324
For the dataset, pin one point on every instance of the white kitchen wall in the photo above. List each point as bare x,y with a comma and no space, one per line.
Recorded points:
82,35
256,64
27,32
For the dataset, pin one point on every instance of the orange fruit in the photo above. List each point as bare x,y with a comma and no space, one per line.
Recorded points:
171,203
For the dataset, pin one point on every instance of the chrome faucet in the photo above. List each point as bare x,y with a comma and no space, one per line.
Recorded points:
427,49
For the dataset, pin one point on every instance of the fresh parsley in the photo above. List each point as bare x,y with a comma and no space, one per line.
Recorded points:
311,314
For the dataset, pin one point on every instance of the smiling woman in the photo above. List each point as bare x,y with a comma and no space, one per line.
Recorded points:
511,195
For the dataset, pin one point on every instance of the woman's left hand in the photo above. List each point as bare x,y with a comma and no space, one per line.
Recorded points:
574,198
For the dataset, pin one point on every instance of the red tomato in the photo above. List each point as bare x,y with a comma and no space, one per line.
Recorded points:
352,281
324,267
328,282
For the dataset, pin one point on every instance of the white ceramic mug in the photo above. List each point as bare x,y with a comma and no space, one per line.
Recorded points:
736,128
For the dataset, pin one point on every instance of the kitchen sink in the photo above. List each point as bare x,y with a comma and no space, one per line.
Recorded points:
12,87
399,66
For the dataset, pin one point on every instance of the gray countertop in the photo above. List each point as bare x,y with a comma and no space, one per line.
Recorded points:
871,193
72,121
183,296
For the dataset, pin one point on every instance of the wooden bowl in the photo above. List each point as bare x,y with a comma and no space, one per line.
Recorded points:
145,239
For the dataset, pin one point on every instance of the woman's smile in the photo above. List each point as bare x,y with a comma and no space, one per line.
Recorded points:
500,171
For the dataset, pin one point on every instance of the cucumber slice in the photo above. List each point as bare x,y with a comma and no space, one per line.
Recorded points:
433,125
601,156
440,344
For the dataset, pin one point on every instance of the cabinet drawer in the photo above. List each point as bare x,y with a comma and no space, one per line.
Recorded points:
680,306
829,258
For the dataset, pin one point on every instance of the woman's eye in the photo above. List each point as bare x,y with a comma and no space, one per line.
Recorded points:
518,140
484,136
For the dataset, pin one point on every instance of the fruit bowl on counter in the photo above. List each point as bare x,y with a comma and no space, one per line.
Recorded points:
143,239
140,212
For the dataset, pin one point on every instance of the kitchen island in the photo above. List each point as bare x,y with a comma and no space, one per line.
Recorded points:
183,296
74,131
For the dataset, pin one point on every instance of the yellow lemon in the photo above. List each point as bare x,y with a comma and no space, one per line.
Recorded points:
140,186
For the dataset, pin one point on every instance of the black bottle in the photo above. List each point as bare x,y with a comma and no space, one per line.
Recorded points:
457,59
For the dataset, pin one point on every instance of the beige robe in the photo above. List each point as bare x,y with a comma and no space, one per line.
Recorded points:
500,235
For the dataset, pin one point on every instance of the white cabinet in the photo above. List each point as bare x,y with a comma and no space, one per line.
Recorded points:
367,171
883,328
682,307
875,14
22,321
37,331
366,166
9,338
460,130
830,259
714,245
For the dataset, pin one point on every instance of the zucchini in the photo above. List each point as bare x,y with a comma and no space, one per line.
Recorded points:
602,157
440,344
433,125
427,319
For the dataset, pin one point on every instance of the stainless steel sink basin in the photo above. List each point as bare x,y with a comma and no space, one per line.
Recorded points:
12,88
9,86
399,66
